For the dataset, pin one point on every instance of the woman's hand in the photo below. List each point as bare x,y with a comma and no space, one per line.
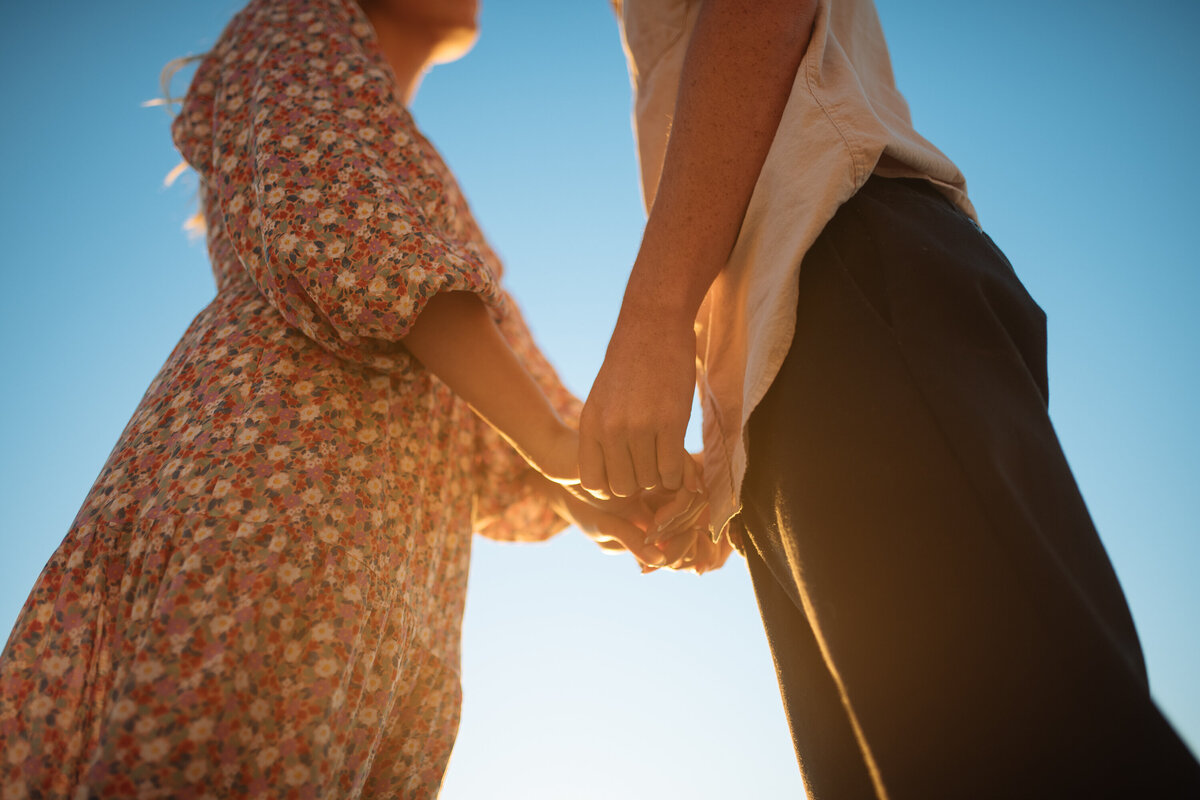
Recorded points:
615,525
682,528
688,543
705,555
554,452
675,512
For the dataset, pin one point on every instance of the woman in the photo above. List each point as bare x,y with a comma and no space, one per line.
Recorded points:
262,594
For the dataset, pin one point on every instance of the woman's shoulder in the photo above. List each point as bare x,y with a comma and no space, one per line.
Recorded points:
270,31
300,88
292,64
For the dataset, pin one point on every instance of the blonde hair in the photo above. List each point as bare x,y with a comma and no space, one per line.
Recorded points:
195,225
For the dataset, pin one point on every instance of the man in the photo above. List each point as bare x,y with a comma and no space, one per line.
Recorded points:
944,620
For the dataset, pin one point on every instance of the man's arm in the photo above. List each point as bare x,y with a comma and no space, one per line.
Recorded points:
737,76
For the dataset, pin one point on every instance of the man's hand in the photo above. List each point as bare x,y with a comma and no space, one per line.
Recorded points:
632,427
739,70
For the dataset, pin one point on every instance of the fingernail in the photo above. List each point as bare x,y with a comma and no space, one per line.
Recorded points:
660,535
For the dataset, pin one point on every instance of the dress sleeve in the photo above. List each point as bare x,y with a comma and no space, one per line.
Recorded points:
505,508
323,182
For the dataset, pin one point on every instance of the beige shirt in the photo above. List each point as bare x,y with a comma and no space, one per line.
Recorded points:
844,120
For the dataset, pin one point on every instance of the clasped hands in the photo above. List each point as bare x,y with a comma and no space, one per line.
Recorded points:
626,470
661,528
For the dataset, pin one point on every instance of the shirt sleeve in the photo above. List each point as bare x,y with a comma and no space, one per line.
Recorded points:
324,184
505,508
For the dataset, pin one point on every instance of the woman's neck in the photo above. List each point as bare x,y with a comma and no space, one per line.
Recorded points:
409,52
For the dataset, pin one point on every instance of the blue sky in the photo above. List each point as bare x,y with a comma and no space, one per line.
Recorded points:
1074,122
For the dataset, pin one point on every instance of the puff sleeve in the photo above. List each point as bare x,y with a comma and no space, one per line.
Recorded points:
323,182
344,217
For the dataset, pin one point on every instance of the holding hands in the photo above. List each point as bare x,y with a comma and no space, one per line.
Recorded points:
640,490
631,436
660,527
633,424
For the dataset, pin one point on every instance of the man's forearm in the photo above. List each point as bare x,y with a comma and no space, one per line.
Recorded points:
737,76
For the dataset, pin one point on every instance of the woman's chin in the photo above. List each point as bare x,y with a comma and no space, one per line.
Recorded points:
455,45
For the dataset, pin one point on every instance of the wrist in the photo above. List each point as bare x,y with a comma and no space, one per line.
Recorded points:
662,294
646,330
552,448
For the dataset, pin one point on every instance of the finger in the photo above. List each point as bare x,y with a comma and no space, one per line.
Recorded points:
694,560
688,559
671,457
703,521
691,514
715,554
619,467
695,507
645,461
676,547
592,475
639,514
676,504
611,546
675,550
630,537
666,515
692,480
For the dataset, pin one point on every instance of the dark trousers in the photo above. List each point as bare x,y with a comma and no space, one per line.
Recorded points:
944,620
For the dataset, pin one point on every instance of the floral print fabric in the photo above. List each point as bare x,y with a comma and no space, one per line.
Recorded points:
262,594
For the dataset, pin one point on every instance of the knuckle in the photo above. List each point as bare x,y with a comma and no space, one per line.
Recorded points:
671,460
612,428
622,487
593,484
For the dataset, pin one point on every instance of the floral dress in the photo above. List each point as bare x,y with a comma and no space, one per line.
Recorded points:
262,594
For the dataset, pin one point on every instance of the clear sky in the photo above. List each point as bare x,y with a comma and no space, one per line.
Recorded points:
1074,121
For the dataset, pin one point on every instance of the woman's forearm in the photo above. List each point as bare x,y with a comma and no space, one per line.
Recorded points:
737,75
456,339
